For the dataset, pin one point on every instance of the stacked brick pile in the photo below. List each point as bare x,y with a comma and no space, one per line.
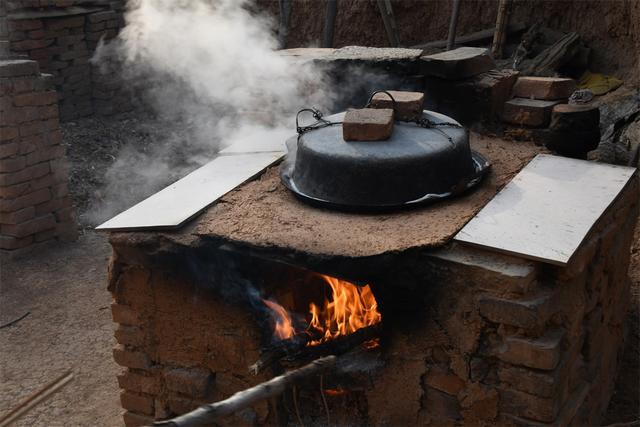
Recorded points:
539,112
464,83
34,196
62,38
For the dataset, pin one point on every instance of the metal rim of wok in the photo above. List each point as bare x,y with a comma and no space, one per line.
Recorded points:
480,164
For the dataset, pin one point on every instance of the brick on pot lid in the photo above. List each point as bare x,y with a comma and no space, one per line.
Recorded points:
367,124
408,105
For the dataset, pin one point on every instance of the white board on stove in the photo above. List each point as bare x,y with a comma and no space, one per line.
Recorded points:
546,211
182,200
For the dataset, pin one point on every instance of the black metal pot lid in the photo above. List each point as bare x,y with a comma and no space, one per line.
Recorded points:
419,164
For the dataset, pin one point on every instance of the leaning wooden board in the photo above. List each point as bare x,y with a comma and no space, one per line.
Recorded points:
546,211
182,200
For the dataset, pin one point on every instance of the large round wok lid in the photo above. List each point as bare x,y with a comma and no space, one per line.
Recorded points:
416,165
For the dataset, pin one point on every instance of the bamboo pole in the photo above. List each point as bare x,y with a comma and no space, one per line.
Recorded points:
207,414
41,395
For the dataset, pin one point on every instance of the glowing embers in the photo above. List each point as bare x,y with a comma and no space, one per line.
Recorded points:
347,309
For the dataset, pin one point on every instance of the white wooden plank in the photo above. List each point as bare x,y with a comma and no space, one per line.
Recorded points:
546,211
177,203
258,139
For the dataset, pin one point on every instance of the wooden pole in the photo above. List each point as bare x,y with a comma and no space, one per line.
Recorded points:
329,23
453,23
389,22
40,396
501,28
285,16
207,414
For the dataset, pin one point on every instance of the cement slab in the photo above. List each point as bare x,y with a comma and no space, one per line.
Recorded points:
548,209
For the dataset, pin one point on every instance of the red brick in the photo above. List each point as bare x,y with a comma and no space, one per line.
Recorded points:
33,226
131,381
26,174
131,359
12,164
51,124
137,403
178,405
124,315
31,199
529,406
444,381
367,124
528,112
192,382
8,133
45,154
524,313
537,353
136,420
24,84
25,24
26,45
33,128
19,216
546,88
28,144
57,24
16,190
8,150
129,335
50,206
49,111
36,99
11,243
408,105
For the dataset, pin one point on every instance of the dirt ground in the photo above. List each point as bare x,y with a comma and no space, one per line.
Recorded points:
70,328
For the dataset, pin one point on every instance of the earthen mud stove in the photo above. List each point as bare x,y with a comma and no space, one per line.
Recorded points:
468,336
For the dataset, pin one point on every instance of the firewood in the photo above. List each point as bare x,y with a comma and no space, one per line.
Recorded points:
207,414
338,345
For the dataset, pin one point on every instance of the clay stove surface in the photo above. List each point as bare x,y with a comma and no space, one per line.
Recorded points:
264,214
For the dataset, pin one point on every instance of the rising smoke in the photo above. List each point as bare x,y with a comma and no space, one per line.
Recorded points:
208,73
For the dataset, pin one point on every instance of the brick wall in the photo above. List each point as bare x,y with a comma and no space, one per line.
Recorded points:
473,337
34,196
62,37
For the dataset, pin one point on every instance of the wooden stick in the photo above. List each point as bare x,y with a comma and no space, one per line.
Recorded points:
453,23
39,396
209,413
501,26
338,345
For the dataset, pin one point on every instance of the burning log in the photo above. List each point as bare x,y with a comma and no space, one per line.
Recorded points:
296,349
207,414
338,345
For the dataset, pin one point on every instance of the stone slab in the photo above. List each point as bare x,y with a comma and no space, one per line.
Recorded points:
545,88
548,209
177,203
367,124
407,105
459,63
528,112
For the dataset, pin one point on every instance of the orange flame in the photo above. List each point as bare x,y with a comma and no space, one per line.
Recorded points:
350,308
284,326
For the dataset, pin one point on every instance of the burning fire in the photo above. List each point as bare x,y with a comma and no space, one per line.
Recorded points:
284,326
349,308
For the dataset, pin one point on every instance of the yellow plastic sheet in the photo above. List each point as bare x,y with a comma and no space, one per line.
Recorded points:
598,83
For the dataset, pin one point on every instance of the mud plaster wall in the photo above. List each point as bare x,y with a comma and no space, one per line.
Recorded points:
494,339
610,27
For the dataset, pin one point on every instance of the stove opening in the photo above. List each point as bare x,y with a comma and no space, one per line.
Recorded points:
336,309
